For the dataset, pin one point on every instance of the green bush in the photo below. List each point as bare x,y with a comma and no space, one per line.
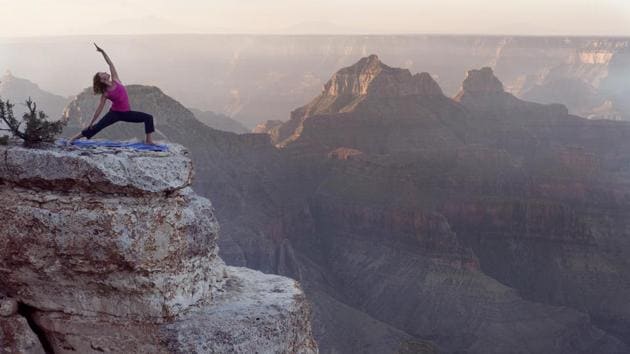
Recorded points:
37,129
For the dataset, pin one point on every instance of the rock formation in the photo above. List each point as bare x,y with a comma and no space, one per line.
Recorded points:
15,334
482,82
111,250
350,86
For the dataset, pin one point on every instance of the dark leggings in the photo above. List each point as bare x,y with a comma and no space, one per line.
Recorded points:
114,116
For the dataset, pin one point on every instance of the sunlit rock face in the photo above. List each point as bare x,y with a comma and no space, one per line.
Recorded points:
112,250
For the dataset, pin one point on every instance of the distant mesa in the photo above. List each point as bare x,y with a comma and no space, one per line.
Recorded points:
482,81
483,91
481,85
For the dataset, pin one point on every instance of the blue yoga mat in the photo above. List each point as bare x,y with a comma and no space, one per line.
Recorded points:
114,144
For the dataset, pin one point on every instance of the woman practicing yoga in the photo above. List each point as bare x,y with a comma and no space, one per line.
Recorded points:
110,87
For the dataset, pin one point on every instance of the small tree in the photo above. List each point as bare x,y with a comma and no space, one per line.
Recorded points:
37,128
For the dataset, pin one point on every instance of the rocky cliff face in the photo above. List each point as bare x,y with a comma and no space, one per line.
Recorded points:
242,174
15,334
111,250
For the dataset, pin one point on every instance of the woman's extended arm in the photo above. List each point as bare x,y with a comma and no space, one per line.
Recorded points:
99,109
112,69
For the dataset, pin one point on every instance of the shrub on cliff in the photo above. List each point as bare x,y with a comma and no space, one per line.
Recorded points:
37,128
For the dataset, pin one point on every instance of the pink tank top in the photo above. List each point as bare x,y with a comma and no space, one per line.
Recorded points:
119,98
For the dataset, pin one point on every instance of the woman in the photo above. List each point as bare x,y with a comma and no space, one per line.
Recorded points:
110,87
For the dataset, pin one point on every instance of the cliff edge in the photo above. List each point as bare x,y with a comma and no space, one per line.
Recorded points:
110,250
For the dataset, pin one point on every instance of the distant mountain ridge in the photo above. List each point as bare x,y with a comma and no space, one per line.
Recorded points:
254,78
18,90
219,121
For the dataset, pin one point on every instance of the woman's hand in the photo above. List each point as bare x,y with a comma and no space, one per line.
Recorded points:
98,49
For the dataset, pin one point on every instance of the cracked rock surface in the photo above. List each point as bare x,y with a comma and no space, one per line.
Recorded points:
111,250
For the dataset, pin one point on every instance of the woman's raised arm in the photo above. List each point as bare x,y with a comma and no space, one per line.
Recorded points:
112,69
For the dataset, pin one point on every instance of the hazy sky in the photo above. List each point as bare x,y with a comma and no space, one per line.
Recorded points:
59,17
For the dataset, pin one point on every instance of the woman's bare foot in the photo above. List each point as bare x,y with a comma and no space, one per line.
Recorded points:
75,137
149,140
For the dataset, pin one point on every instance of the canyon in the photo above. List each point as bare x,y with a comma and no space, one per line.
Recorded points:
478,222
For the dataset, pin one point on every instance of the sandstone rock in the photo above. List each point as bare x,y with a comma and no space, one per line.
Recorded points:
137,257
483,94
254,312
129,263
8,306
97,170
16,337
370,76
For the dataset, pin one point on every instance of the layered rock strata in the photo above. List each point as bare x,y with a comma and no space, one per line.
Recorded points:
15,334
111,250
